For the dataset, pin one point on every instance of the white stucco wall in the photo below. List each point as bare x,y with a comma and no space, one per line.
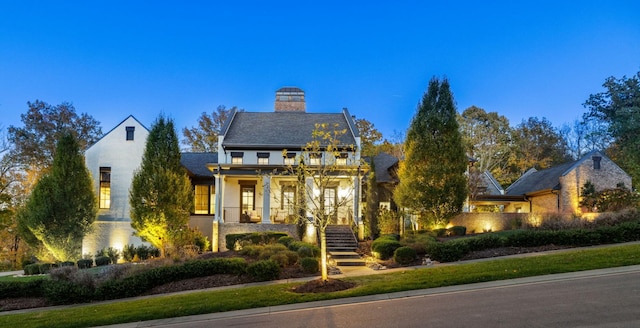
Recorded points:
123,157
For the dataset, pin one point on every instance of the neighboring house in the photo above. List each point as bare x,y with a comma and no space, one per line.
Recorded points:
111,162
557,189
256,148
203,182
483,186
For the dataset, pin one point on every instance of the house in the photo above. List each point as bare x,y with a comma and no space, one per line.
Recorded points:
112,161
557,189
385,168
253,191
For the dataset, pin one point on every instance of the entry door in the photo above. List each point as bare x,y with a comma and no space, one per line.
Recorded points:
330,201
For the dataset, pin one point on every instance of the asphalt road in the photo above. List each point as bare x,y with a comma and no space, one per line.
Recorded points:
599,298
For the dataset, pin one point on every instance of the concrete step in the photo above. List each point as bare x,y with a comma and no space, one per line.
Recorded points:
347,258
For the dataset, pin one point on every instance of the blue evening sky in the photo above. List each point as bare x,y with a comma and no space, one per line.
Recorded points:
182,58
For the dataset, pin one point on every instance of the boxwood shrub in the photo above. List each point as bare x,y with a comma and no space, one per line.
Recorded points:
252,238
264,270
309,265
404,255
384,247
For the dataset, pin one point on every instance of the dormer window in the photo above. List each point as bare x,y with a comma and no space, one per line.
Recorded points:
130,131
596,162
263,158
236,157
341,159
315,158
290,159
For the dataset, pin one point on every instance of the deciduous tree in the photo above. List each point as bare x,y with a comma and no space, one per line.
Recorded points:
161,197
619,108
204,137
432,174
35,143
62,206
370,137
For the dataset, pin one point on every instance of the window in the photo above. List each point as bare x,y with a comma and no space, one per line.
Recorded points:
315,158
105,187
330,195
205,199
342,159
247,198
130,130
596,162
263,158
290,159
288,199
236,157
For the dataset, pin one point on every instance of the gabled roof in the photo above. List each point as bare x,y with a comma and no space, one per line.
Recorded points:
117,125
548,179
280,130
383,164
196,163
491,179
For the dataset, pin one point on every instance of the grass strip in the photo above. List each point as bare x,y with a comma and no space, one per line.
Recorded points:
280,294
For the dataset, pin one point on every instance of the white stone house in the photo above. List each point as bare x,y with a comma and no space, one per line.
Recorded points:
112,161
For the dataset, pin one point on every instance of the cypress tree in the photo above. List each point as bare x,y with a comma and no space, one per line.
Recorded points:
161,196
62,206
432,174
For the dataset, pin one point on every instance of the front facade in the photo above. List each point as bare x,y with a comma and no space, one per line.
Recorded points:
257,152
112,161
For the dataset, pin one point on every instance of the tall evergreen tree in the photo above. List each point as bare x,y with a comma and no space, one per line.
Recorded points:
62,206
432,174
161,197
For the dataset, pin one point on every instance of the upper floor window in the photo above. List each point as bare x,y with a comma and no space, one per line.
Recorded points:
236,157
263,158
105,187
596,162
341,159
130,131
290,159
315,159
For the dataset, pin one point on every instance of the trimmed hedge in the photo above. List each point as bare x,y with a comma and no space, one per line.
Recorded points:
30,288
140,283
253,238
309,265
454,250
264,270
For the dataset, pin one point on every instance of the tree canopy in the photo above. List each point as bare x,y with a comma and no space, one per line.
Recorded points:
44,124
619,108
62,206
370,137
204,137
432,174
161,197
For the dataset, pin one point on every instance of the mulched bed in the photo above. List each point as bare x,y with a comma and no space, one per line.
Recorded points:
319,286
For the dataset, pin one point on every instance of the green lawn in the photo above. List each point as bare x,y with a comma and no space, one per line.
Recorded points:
279,294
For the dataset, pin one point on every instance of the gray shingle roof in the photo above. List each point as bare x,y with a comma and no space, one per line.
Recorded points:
548,179
278,130
383,162
196,163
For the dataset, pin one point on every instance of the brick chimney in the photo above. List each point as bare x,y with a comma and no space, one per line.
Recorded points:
290,99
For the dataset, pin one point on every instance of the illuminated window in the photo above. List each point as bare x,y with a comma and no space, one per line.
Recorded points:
330,200
105,187
290,159
236,157
263,158
205,199
288,199
130,130
315,159
247,198
341,159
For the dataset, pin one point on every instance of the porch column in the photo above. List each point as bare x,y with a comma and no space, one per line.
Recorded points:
356,205
219,190
266,199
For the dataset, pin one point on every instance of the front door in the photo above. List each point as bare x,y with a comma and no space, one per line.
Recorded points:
330,201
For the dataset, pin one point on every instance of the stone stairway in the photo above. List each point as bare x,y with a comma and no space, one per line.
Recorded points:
342,246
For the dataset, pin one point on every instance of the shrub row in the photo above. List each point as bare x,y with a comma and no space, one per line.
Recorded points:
252,238
30,288
454,250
